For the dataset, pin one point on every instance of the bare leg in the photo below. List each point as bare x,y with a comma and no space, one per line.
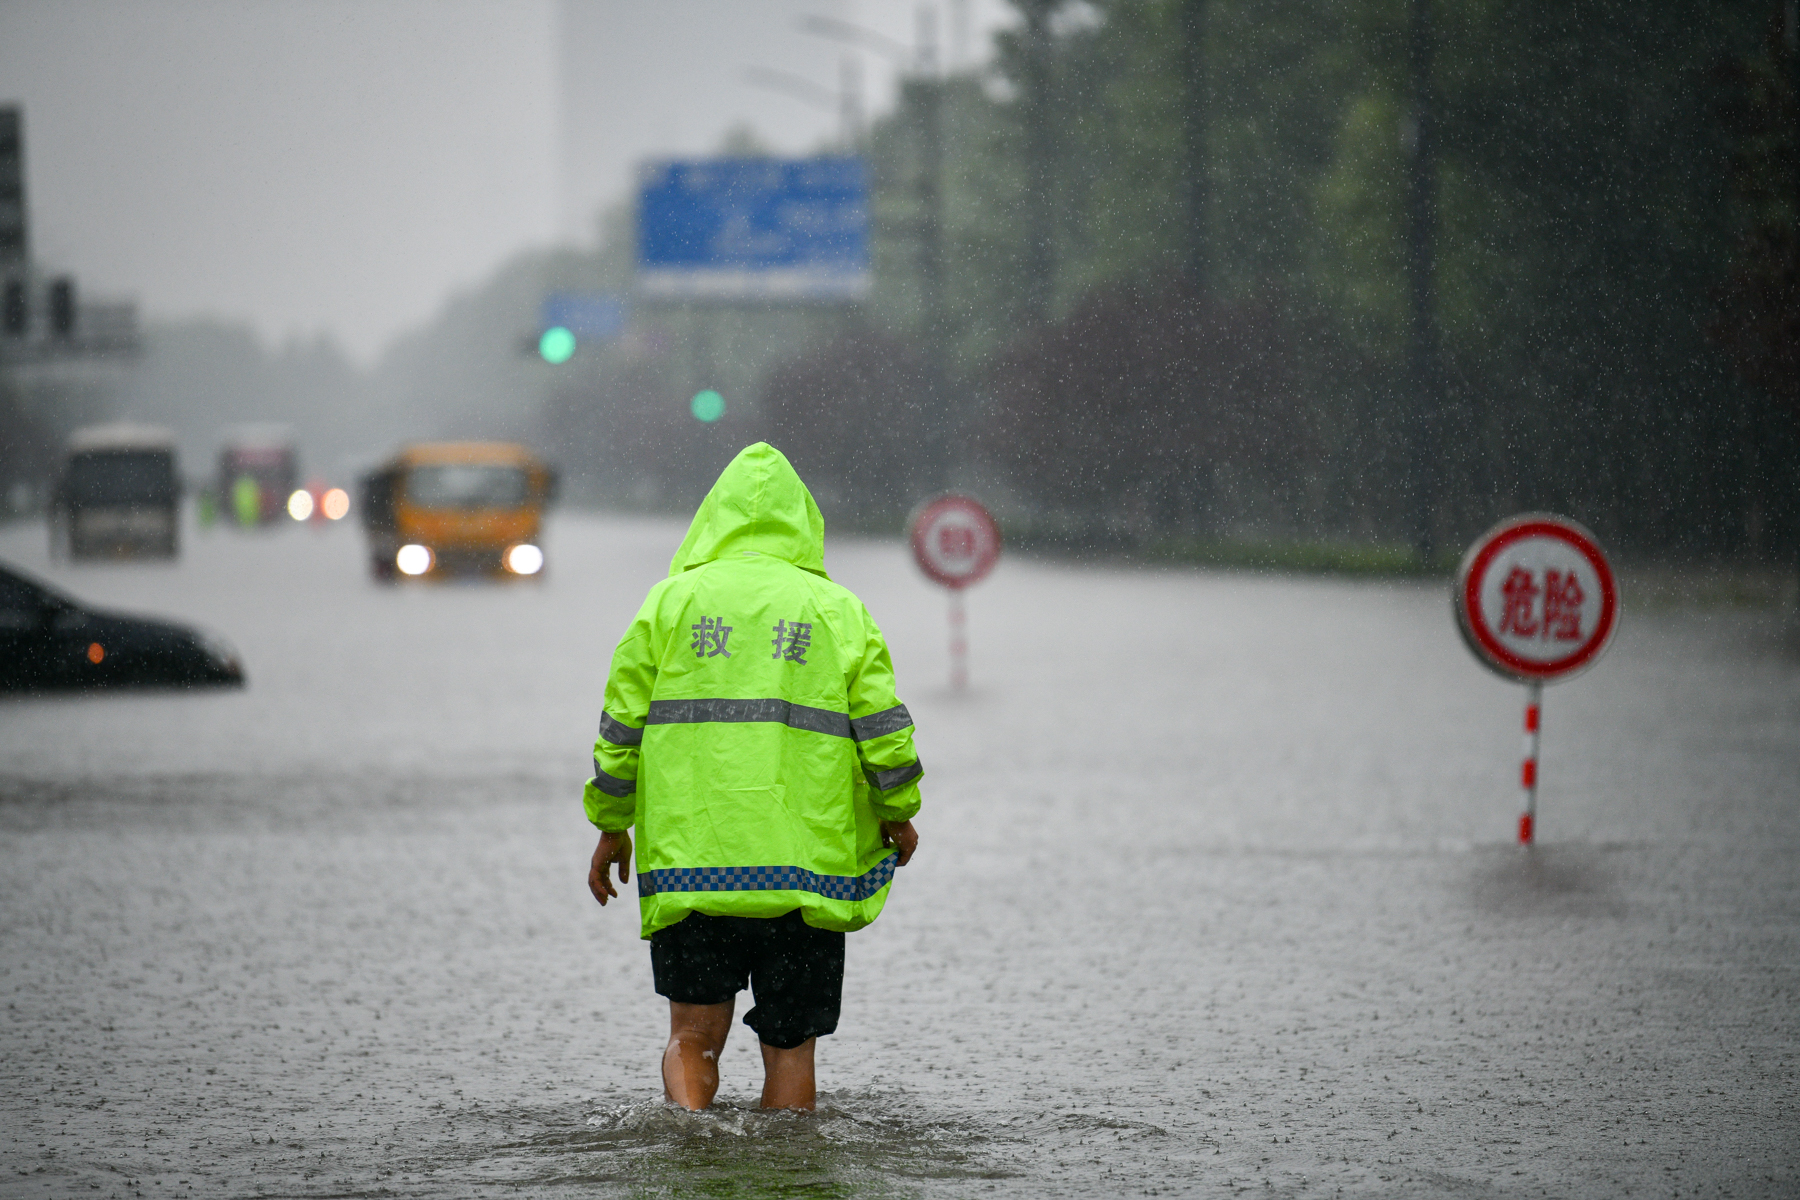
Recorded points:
690,1064
788,1076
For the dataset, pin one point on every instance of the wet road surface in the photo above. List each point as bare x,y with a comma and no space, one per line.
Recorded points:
1215,893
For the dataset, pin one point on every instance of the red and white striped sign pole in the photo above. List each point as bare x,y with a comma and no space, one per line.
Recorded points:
1536,602
959,642
956,543
1528,772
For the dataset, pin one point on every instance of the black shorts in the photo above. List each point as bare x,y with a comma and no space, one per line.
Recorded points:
795,972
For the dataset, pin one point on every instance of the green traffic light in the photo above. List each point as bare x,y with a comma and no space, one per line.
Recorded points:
708,406
557,345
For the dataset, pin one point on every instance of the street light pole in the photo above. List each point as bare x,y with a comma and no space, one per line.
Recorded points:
846,102
850,109
922,92
925,95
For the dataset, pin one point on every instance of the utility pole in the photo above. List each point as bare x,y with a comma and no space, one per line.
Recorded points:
922,96
1040,154
43,322
1196,108
49,334
1423,369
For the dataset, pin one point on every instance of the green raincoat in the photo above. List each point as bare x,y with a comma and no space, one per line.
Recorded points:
751,731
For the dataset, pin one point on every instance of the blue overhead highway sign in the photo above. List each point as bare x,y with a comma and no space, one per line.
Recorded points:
753,229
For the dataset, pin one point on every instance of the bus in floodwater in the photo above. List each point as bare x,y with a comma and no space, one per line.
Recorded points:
258,470
119,494
442,509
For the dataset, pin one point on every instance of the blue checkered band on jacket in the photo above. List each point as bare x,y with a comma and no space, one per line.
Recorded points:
767,879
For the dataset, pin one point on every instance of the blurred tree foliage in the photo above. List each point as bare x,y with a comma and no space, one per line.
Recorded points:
817,409
1759,303
1588,219
1146,402
1759,319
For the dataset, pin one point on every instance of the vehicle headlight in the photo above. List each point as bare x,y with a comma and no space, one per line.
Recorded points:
219,650
413,559
524,559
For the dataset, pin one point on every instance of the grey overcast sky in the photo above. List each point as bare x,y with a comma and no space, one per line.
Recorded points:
344,166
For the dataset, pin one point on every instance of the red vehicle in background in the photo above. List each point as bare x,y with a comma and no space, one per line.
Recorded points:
259,469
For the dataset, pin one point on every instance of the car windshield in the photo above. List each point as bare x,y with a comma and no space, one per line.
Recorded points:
466,486
18,599
109,477
22,601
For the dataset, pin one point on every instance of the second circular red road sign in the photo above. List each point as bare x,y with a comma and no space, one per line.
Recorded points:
1536,599
955,540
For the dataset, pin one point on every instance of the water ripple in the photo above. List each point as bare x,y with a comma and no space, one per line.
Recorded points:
856,1144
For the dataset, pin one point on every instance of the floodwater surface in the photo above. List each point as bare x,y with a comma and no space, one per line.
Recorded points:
1215,892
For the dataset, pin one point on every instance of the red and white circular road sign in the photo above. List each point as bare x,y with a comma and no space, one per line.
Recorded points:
955,540
1535,598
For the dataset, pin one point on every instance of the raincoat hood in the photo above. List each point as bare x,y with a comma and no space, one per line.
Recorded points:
759,503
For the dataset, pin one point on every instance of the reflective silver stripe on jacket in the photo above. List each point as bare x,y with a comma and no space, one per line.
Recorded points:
612,785
891,720
619,733
775,711
887,781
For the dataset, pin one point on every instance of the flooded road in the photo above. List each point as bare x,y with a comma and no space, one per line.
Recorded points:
1215,893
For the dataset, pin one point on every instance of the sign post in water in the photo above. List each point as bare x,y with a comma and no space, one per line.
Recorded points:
1536,602
956,543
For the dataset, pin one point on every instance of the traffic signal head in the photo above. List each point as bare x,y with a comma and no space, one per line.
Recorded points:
707,406
15,247
557,345
15,309
62,306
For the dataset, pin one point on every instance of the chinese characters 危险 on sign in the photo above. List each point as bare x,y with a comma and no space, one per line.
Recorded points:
1558,617
1536,599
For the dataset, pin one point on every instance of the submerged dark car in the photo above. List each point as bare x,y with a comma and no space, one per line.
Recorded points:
48,641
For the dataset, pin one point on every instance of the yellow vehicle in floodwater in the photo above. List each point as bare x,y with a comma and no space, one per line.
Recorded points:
447,509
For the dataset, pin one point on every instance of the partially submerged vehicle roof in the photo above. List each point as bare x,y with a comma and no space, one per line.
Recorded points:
120,435
133,651
428,453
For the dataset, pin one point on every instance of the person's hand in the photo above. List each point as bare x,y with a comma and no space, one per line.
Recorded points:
613,848
900,835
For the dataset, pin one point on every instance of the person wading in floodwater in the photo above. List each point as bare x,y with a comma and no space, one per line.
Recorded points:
751,734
